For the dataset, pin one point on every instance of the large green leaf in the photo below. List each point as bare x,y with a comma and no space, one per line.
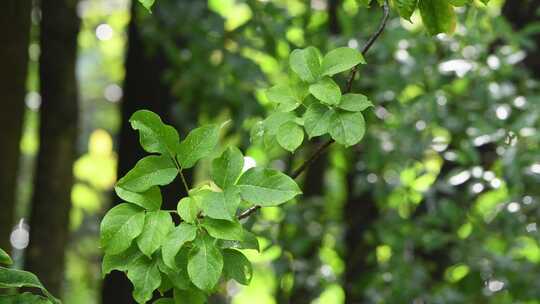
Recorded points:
177,276
227,168
218,205
406,8
287,97
175,240
198,144
267,187
188,209
5,258
150,171
438,16
354,102
157,225
120,226
145,277
317,119
155,136
326,90
340,59
205,263
120,261
237,266
290,136
13,278
223,230
347,128
149,199
306,63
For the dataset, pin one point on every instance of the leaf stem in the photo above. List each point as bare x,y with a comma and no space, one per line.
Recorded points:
182,177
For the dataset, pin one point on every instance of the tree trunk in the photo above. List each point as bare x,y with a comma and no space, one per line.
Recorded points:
143,89
15,18
51,202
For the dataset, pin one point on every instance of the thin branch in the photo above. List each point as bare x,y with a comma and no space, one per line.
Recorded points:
182,177
324,147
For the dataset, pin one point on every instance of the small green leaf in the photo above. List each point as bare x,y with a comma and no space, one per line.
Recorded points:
218,205
155,136
290,136
145,277
198,144
175,240
237,266
224,230
405,8
438,16
306,63
227,168
267,187
347,128
150,171
147,4
5,258
341,59
13,278
205,263
119,261
275,120
354,102
157,225
188,209
120,226
284,96
326,90
149,199
317,119
189,296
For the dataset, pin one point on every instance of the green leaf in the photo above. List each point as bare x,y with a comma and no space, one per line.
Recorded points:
462,2
177,275
155,136
157,225
275,120
341,59
354,102
189,296
119,261
317,119
23,298
145,277
347,128
205,263
326,90
120,226
237,266
218,205
13,278
438,16
227,168
150,171
198,144
284,96
149,199
249,241
306,63
175,240
290,136
406,8
5,258
188,209
267,187
147,4
164,301
223,230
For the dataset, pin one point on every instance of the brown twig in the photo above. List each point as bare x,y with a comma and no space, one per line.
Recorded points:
322,148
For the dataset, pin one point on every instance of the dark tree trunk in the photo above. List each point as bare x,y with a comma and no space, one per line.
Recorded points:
51,200
15,19
143,89
521,14
359,215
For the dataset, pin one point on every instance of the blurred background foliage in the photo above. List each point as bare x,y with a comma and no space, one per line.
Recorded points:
438,204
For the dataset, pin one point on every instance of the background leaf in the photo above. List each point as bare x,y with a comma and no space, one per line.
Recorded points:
438,16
